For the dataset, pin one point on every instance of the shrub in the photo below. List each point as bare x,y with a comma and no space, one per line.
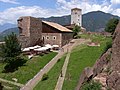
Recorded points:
76,30
108,45
58,60
45,77
111,25
92,85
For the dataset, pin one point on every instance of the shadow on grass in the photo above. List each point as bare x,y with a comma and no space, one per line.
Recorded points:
13,66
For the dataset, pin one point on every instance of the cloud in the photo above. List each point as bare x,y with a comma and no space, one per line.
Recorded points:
63,7
10,1
12,14
115,1
116,12
85,5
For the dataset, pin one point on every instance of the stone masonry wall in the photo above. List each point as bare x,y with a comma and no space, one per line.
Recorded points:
35,31
66,37
30,31
52,38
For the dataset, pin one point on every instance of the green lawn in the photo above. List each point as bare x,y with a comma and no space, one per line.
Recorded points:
53,75
7,86
31,67
82,56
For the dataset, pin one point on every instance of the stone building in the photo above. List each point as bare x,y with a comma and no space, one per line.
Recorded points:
30,31
33,31
76,16
55,34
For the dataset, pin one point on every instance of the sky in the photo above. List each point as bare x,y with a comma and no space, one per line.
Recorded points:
11,10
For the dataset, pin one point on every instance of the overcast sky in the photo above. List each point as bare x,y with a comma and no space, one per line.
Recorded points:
11,10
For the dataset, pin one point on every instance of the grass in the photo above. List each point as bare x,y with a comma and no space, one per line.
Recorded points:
26,72
81,57
7,86
53,75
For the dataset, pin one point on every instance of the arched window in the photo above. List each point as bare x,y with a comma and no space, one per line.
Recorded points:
43,37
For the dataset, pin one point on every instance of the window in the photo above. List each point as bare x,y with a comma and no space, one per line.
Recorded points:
43,37
75,12
47,37
54,37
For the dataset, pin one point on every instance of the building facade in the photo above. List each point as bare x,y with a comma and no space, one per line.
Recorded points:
55,34
76,16
30,31
33,31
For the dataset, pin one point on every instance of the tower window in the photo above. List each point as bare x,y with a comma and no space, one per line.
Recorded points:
75,12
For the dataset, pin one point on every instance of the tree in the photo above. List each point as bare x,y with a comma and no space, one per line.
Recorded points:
76,30
10,51
111,25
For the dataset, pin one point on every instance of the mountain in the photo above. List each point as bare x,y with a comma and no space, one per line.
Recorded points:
6,26
7,32
92,21
64,20
96,21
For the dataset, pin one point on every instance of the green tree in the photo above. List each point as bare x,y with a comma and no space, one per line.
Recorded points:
76,30
111,25
10,51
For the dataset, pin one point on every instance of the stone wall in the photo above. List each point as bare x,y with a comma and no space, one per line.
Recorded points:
35,31
24,25
30,31
24,41
52,38
61,38
66,37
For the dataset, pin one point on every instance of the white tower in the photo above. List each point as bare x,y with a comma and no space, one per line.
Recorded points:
76,16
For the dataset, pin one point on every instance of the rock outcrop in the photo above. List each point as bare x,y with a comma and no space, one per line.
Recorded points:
86,74
107,67
101,63
113,79
90,72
